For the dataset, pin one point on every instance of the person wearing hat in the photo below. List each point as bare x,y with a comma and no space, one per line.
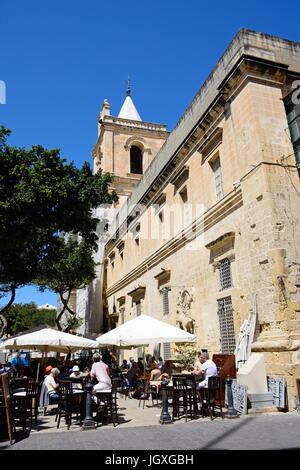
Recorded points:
76,374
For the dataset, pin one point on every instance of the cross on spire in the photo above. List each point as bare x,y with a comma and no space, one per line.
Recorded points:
128,89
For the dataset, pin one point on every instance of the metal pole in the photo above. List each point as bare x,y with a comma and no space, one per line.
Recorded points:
231,413
165,417
37,372
88,422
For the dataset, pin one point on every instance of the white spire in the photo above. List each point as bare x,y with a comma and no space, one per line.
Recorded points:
128,110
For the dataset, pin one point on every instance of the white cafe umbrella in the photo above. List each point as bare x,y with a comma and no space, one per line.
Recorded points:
48,339
143,330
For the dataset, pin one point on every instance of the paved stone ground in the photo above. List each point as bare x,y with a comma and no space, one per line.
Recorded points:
139,429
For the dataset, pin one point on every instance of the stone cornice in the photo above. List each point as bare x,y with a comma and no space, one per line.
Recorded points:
215,243
120,122
165,165
228,204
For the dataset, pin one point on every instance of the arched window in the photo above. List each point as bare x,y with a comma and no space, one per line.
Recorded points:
136,160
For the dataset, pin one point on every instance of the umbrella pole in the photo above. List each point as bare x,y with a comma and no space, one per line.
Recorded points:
46,351
144,361
37,372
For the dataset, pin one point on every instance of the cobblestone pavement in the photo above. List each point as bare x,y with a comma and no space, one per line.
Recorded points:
141,431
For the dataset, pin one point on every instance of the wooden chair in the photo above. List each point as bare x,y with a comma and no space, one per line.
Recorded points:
182,398
18,390
107,405
212,397
6,415
69,403
32,400
192,381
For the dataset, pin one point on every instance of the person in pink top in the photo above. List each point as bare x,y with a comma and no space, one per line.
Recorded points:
100,371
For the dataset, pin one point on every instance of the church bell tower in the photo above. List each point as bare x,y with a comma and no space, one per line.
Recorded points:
126,145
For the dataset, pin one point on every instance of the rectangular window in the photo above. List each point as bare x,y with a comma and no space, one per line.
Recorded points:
121,247
162,231
216,166
165,300
227,337
159,203
167,351
225,279
112,257
121,315
293,117
187,219
138,308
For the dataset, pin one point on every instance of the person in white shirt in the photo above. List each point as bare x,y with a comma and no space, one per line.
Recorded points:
51,384
100,371
76,374
208,369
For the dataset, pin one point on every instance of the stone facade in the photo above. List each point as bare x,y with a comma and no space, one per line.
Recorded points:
215,217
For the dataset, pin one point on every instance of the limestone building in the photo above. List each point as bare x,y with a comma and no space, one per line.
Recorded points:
208,217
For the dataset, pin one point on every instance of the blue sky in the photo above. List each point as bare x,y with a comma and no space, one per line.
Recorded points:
60,59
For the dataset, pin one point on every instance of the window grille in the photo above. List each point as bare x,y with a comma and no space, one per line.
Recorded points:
167,351
165,300
218,179
225,279
227,336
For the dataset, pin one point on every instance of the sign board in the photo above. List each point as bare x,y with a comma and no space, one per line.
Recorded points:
239,394
6,404
279,389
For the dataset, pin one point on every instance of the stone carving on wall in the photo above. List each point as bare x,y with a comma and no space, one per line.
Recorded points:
184,320
282,292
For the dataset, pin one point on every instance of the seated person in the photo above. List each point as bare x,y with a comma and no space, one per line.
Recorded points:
131,361
4,368
76,374
140,364
160,363
124,365
197,364
155,372
100,371
208,369
162,377
133,375
167,369
63,372
48,369
52,385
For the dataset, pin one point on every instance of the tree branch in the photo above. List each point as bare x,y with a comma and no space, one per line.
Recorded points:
64,302
12,299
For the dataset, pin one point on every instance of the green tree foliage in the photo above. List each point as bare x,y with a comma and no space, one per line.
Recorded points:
70,267
186,355
41,197
22,317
